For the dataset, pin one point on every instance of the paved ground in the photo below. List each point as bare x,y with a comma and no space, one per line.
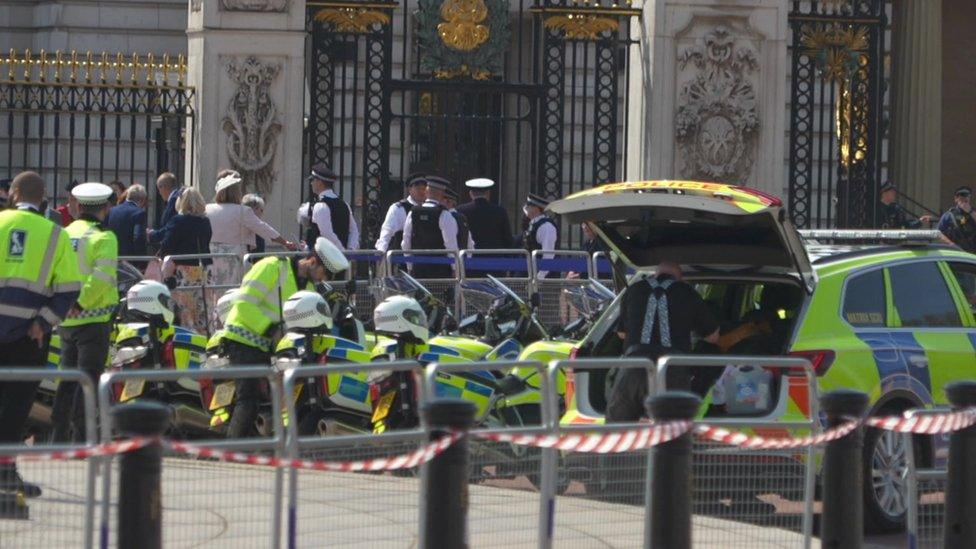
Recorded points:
220,505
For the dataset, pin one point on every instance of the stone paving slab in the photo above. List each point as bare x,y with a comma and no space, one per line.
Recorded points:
218,505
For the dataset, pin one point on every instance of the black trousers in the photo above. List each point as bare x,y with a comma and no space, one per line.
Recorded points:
85,348
16,398
247,392
629,390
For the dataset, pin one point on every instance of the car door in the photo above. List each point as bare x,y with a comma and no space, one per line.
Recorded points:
927,328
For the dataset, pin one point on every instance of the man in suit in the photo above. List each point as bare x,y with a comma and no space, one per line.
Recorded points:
128,222
489,224
169,190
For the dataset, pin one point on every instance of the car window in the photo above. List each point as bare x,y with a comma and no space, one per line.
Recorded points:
922,297
864,300
966,276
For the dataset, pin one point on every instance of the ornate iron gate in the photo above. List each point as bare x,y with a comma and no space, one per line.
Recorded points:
529,93
87,117
837,112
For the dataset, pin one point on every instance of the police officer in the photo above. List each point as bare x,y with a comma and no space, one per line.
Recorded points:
431,227
959,223
86,331
464,240
542,232
657,317
326,214
255,315
39,281
895,215
391,234
489,223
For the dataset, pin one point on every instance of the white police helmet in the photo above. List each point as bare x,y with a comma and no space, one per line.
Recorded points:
152,299
225,303
400,315
331,256
307,310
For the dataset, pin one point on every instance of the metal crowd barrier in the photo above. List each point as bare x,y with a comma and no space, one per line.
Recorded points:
511,267
330,526
788,474
553,309
190,485
51,520
926,488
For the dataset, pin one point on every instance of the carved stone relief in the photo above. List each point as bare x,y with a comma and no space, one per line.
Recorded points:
717,119
254,5
251,122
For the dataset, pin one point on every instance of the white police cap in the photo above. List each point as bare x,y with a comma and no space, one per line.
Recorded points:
92,194
479,183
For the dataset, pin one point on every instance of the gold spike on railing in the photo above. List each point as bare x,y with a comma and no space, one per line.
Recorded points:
119,63
150,68
42,74
166,69
57,66
89,63
74,66
180,70
27,65
134,65
11,62
102,67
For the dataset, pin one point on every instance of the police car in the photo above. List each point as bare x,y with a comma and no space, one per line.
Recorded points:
895,321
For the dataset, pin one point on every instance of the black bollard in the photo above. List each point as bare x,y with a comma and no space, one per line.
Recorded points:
668,517
960,510
444,522
842,524
140,517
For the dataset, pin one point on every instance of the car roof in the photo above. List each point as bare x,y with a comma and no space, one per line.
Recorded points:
831,258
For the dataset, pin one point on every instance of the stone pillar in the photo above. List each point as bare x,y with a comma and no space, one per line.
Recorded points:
713,81
247,62
916,156
958,83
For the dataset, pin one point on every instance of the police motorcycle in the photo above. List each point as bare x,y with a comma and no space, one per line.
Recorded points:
149,340
395,395
336,403
40,416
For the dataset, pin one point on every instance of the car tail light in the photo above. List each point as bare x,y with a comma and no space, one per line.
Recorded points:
570,386
374,392
168,357
821,360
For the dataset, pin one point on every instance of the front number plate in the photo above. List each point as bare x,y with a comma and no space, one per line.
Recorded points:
383,407
132,389
223,395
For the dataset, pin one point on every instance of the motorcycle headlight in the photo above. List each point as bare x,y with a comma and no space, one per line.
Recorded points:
283,363
378,375
125,355
215,362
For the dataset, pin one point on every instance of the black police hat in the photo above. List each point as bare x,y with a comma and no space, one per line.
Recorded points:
416,179
537,201
436,182
964,190
323,172
887,186
451,194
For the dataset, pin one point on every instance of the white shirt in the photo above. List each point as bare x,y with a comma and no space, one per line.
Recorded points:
396,217
446,222
546,236
237,224
322,216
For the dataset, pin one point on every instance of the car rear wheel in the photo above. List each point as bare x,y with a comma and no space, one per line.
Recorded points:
885,485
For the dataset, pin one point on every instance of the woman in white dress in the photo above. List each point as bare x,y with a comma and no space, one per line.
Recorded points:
234,227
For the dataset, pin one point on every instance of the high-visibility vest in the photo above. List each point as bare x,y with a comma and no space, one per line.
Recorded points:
98,258
258,302
39,277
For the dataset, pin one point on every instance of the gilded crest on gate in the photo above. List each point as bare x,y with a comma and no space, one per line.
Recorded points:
462,28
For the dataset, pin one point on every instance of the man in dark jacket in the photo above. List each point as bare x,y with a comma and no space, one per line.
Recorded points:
128,222
488,222
895,215
169,190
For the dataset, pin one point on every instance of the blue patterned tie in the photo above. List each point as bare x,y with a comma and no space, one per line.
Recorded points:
657,306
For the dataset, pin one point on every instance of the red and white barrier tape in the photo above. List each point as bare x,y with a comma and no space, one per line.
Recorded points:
756,442
600,443
106,449
405,461
926,424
